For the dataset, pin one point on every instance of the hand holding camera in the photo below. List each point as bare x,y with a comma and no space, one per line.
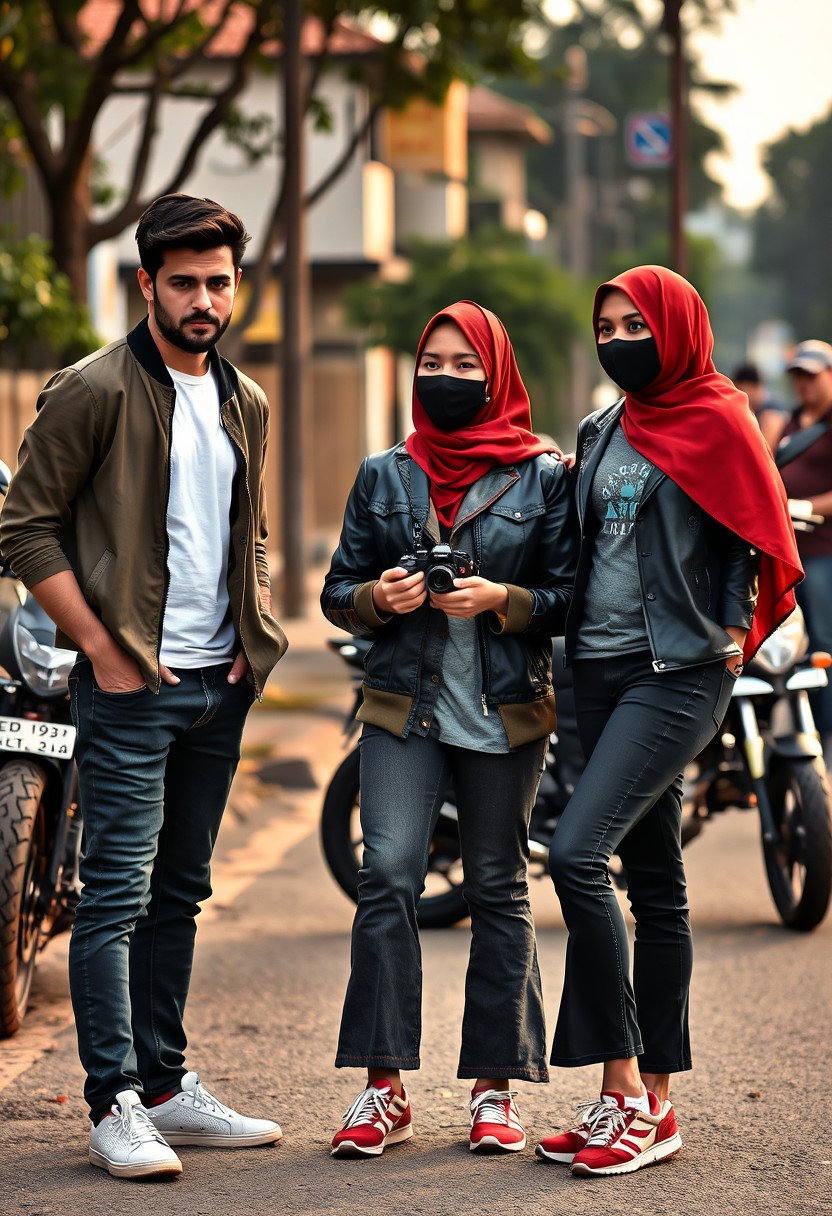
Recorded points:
399,590
452,580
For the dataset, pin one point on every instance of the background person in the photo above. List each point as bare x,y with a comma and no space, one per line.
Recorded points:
457,687
137,518
770,414
667,601
808,481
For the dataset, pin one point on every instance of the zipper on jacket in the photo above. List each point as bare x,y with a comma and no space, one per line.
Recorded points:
239,446
476,533
167,543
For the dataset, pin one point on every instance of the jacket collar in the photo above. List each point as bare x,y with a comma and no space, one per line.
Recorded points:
146,353
481,495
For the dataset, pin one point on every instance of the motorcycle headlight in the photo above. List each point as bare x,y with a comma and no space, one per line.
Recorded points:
786,646
44,668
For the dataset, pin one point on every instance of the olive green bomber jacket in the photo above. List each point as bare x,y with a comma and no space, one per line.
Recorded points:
90,495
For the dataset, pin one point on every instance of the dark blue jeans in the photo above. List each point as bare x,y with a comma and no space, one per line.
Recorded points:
403,782
638,729
155,772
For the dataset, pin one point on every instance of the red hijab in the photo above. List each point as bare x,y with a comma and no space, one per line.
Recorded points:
502,432
695,426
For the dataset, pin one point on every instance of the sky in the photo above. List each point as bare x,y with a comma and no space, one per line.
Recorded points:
779,54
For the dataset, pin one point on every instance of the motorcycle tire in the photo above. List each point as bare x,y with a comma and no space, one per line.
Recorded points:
799,868
22,862
341,842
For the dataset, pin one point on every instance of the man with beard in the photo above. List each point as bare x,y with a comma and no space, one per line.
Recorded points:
137,517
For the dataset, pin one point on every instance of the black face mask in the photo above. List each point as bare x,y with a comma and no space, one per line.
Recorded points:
631,363
451,402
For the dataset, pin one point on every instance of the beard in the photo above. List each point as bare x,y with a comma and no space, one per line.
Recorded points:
177,335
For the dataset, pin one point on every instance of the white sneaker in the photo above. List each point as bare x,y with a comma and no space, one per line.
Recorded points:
196,1117
127,1144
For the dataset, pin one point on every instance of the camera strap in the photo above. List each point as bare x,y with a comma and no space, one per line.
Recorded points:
417,523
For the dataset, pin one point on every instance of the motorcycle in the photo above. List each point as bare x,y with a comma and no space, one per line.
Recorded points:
40,821
766,758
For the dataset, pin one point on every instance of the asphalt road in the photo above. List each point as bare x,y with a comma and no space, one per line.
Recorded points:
272,959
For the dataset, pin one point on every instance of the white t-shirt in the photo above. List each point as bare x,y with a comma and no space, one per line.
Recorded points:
197,630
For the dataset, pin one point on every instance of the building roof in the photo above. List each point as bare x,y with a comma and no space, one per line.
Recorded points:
490,113
97,19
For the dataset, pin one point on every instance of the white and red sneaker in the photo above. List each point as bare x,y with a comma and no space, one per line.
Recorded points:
623,1138
563,1146
377,1117
495,1123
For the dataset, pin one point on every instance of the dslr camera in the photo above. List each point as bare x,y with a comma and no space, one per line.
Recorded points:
441,565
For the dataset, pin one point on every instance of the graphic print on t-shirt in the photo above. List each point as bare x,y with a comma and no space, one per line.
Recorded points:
621,492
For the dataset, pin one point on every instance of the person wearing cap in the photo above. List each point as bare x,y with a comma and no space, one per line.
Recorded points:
770,414
808,481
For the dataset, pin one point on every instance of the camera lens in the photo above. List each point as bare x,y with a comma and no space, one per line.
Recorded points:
440,579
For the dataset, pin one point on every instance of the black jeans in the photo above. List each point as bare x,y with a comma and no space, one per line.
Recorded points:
155,772
403,782
639,729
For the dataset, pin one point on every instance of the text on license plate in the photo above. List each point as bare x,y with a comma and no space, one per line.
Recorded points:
37,738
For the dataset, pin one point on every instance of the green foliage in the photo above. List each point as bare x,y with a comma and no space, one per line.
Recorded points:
703,257
542,307
36,303
793,242
254,134
455,40
12,153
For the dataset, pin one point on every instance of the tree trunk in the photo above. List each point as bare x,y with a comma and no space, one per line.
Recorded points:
69,207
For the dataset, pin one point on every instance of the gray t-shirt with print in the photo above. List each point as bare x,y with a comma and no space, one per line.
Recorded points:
613,619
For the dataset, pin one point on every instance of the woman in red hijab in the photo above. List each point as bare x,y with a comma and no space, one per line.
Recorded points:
687,563
457,690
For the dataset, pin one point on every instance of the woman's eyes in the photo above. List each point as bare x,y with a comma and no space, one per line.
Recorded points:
633,327
464,365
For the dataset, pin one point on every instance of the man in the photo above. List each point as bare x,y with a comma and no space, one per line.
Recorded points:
137,517
770,414
808,481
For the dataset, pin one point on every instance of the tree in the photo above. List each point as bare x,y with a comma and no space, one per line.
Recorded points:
36,303
792,242
61,60
541,307
627,63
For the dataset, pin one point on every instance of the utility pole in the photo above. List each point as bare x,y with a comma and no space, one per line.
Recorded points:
679,121
295,320
577,221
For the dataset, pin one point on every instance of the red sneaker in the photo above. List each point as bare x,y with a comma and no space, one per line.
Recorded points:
495,1123
563,1146
377,1117
624,1139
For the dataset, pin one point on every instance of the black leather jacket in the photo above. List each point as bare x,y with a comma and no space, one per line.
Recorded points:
696,577
519,523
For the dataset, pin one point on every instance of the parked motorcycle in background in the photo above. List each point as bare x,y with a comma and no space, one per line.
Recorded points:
766,758
40,823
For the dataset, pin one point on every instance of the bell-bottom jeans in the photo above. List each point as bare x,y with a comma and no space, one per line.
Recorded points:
403,784
638,728
155,773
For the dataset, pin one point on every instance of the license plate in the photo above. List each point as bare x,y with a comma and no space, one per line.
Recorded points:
37,738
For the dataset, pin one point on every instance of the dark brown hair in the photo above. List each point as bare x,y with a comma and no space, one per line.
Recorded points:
180,221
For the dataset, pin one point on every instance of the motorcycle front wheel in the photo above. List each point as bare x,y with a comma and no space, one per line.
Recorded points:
442,902
22,863
799,867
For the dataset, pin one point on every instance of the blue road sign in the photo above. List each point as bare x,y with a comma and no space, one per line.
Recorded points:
649,140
